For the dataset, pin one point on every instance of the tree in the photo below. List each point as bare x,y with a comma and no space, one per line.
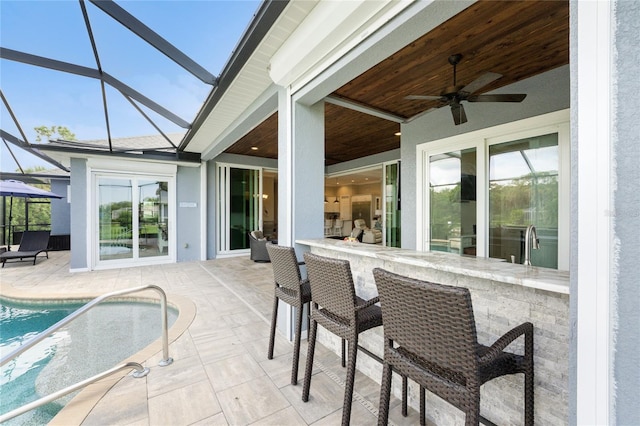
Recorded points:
47,132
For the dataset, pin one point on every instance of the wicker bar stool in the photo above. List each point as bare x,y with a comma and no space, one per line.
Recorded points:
336,307
430,336
291,289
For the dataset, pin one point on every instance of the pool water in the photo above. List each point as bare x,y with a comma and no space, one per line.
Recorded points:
94,342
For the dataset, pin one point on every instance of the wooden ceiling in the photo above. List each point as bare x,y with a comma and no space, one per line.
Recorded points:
518,39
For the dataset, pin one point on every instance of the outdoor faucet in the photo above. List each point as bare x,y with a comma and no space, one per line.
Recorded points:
530,242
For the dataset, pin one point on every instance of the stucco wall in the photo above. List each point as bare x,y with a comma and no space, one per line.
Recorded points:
188,233
79,214
626,181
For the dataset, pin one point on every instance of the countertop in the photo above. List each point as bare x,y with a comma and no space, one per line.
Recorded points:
492,269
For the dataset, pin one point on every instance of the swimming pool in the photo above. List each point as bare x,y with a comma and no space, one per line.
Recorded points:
94,342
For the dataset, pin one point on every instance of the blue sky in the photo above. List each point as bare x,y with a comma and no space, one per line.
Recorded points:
205,30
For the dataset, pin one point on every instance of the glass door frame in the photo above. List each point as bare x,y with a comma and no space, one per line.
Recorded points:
555,122
94,239
385,196
223,207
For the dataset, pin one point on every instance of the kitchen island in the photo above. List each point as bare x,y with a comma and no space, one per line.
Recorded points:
503,295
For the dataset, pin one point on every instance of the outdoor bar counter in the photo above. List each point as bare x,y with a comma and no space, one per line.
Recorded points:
503,295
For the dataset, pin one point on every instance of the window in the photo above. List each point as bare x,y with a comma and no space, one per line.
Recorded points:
478,192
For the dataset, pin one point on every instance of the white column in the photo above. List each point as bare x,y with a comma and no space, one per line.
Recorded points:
300,179
594,245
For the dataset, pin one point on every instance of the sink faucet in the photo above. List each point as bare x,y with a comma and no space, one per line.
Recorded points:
530,242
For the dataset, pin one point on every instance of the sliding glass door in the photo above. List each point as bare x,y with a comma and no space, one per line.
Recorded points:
239,206
392,222
133,216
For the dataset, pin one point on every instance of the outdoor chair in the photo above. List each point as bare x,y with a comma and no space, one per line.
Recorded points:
336,307
31,245
258,245
291,289
430,336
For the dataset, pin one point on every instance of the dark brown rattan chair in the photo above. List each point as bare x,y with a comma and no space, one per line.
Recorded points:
430,336
336,307
291,289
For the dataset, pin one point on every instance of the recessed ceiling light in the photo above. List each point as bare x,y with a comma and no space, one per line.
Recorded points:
254,148
398,133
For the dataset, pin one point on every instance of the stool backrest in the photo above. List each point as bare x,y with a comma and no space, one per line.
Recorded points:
432,321
332,285
286,270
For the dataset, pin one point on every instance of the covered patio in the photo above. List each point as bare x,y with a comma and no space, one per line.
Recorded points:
220,373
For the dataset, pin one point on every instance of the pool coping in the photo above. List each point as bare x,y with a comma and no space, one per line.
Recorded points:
76,410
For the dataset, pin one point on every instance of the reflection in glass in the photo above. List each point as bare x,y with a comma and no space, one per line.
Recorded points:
453,202
523,190
244,206
115,200
153,237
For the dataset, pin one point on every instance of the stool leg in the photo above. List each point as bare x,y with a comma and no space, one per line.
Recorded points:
423,408
404,396
385,395
348,391
296,346
309,367
272,336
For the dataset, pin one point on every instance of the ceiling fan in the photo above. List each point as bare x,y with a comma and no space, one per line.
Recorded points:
455,94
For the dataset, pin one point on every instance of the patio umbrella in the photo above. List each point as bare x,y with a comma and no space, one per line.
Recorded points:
15,188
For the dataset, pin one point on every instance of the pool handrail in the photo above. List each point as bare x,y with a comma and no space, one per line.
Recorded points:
140,372
166,360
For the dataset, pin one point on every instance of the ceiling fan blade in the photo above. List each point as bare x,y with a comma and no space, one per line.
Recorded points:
513,97
459,116
423,98
480,82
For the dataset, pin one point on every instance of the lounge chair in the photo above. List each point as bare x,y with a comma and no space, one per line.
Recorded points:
31,245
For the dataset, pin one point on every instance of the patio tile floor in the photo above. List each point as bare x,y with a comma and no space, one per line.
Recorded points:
221,375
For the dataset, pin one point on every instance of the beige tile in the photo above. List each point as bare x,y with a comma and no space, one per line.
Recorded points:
181,373
217,420
325,397
288,416
359,416
184,405
212,348
251,401
233,371
129,396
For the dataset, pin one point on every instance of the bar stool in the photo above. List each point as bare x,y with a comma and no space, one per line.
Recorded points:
328,226
336,307
291,289
430,336
337,227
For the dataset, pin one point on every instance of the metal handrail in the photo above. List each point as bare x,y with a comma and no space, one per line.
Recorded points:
66,320
140,372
